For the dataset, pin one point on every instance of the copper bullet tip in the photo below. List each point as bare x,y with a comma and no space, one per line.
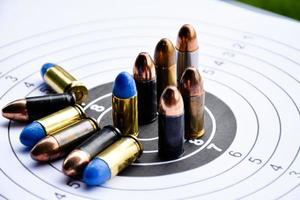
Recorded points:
171,102
191,83
45,150
144,68
75,162
164,54
16,110
187,39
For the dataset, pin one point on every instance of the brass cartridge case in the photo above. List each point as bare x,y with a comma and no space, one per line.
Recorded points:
61,81
121,153
125,115
61,119
194,119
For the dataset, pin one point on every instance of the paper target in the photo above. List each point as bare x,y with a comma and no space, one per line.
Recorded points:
251,112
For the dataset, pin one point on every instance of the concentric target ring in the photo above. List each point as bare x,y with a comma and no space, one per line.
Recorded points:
267,78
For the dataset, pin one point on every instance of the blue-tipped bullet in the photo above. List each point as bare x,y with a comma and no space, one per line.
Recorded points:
124,104
45,68
124,86
112,160
50,124
32,133
97,172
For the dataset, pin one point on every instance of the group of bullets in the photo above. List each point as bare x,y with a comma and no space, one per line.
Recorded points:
169,88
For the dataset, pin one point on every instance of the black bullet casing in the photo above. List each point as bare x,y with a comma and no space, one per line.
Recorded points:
170,136
100,140
41,106
147,102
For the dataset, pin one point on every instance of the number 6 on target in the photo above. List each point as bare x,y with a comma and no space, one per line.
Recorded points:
235,154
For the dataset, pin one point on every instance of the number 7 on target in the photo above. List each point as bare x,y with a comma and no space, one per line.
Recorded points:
213,146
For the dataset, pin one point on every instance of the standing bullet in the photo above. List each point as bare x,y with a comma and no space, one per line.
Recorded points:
112,160
124,104
187,49
33,108
50,124
164,59
145,80
170,124
59,144
61,81
191,88
76,161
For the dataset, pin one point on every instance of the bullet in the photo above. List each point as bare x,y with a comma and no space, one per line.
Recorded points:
77,160
50,124
191,88
187,49
170,124
59,144
61,81
165,61
112,160
145,80
33,108
124,104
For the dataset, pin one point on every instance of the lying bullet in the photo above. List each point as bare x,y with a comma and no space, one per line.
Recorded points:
170,124
112,160
191,88
59,144
77,160
50,124
145,80
187,49
164,59
61,81
124,104
33,108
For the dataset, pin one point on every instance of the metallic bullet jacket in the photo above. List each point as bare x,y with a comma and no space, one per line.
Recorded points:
59,144
61,81
191,87
16,110
145,80
33,108
171,124
144,68
75,163
165,61
187,49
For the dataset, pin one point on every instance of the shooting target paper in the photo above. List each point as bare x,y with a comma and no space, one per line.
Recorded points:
251,68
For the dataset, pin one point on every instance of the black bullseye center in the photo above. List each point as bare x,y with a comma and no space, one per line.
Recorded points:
220,130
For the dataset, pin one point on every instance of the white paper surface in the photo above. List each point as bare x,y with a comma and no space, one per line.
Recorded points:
249,60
